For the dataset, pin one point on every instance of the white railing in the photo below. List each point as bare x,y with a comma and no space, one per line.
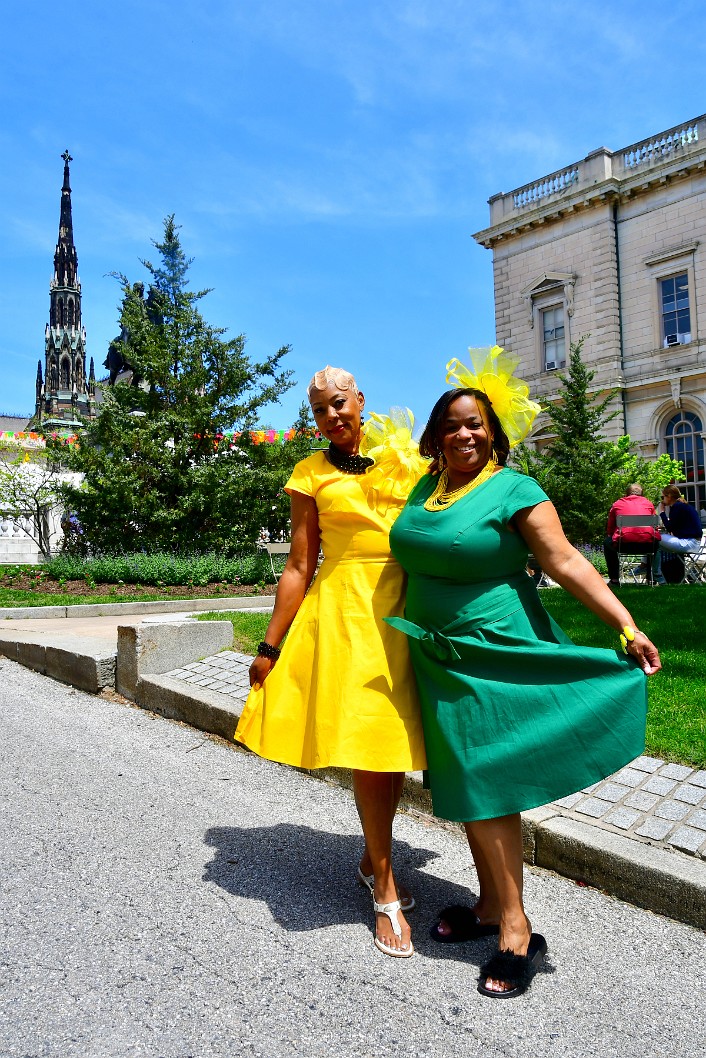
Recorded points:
660,146
12,526
18,540
548,185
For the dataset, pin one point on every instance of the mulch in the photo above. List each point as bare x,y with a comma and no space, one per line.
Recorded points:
47,586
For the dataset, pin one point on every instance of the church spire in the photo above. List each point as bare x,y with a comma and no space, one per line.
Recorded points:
64,398
65,259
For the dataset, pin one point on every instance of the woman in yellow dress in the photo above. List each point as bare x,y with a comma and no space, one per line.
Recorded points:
341,693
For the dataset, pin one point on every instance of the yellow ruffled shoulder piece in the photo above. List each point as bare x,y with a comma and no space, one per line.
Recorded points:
492,371
398,466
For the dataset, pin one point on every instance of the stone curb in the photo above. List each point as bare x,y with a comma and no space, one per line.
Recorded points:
151,648
238,602
197,706
88,672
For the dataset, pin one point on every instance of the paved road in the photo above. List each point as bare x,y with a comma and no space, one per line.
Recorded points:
166,895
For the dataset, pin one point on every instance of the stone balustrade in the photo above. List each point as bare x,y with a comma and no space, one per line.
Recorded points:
548,185
17,540
600,172
659,147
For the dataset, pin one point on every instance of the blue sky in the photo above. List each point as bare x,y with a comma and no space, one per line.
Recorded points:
328,161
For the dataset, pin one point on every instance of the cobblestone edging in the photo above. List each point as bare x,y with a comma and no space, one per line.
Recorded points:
650,801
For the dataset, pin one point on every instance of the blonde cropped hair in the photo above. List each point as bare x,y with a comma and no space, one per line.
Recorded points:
332,375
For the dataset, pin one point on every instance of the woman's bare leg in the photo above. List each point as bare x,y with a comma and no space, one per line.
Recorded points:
397,781
487,906
377,796
499,843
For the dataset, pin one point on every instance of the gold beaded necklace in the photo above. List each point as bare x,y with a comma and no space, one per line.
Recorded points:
441,497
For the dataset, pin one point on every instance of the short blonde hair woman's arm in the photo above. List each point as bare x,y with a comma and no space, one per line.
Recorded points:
296,577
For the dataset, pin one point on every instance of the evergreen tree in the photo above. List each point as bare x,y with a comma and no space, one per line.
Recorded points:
578,465
581,472
158,473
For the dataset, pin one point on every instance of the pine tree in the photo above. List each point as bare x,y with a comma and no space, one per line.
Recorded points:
578,465
581,472
158,473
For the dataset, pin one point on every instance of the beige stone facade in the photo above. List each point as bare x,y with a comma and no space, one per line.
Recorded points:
614,247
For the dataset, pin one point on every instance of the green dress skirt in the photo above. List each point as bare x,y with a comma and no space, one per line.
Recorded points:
515,715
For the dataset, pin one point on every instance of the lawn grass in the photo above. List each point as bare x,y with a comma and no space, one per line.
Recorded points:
671,616
11,597
248,628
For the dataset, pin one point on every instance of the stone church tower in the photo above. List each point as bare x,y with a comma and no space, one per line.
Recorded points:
65,396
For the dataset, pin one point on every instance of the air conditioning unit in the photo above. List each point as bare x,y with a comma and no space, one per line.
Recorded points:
671,339
550,365
685,338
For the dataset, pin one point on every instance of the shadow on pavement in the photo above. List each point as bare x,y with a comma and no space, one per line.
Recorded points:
307,878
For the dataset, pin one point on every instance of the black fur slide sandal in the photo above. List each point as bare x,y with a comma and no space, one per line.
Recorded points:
514,970
464,925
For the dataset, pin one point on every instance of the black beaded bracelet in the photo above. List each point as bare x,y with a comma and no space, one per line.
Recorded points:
266,650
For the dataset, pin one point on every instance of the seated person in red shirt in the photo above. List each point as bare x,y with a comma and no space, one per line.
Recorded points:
636,539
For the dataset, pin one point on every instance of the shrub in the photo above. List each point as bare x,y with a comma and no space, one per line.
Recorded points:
159,569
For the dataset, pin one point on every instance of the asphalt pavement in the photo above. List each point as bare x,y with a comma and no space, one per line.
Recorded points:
167,895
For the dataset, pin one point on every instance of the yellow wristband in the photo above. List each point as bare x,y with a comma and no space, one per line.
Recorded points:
627,636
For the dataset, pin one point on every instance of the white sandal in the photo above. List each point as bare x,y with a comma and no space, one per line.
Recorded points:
368,880
391,911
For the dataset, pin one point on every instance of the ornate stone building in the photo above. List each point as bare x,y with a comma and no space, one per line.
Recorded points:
614,246
65,394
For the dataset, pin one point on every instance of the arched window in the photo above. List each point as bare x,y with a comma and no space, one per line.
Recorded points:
65,374
684,440
61,321
71,312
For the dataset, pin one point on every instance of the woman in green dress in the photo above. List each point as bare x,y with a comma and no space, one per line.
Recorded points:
515,715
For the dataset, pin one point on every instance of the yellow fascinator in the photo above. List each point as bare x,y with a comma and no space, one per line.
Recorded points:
492,371
398,466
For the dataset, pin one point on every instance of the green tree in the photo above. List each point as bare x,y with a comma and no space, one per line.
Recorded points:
158,473
29,491
582,472
652,474
577,465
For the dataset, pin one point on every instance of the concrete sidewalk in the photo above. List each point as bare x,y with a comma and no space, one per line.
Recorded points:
639,835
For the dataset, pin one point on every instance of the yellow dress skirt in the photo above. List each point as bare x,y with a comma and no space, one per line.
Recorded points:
342,694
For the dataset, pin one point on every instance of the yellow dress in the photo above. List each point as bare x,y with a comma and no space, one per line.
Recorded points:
342,694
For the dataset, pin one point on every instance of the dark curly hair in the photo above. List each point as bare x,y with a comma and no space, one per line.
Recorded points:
430,441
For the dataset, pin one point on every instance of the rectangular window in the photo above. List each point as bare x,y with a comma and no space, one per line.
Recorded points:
676,318
553,338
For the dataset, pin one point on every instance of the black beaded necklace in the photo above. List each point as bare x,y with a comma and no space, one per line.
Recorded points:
347,462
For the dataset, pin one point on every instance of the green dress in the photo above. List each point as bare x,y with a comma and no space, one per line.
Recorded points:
515,715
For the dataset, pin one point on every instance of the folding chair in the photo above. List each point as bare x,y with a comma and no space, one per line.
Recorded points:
535,571
281,548
695,565
627,549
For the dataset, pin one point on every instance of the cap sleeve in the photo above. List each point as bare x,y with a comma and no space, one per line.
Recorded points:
302,478
521,492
